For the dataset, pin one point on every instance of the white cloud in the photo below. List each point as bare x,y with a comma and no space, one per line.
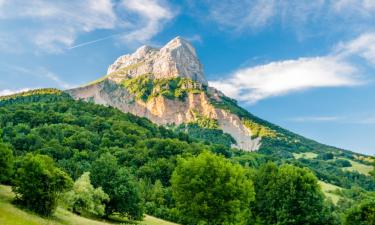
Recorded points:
152,14
54,26
336,69
10,92
283,77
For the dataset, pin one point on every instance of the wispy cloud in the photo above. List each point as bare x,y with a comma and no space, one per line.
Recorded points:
37,72
300,16
360,119
53,26
316,119
363,46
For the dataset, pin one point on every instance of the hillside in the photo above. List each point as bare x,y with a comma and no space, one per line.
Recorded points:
12,215
76,134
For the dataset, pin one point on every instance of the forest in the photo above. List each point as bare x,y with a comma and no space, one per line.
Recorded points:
97,161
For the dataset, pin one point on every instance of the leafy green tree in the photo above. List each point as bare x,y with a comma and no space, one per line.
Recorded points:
84,198
6,163
362,213
289,195
38,183
120,185
209,189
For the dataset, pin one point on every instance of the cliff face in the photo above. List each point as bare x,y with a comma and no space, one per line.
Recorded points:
176,59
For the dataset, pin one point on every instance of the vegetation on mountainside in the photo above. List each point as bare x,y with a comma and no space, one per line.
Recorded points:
133,161
204,121
215,136
145,87
34,95
259,130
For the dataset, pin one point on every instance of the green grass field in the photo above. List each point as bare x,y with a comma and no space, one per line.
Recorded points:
327,188
12,215
361,168
305,155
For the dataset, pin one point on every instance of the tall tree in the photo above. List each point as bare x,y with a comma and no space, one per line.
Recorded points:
289,195
38,183
120,185
209,189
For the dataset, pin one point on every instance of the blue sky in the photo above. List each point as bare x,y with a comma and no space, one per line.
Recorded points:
308,66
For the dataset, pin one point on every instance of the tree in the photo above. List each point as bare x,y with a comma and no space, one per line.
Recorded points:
120,185
362,213
6,163
209,189
85,199
38,183
289,195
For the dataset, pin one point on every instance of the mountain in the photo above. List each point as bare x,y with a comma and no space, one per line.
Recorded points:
168,86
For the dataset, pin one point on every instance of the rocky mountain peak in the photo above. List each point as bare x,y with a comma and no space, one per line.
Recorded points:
177,58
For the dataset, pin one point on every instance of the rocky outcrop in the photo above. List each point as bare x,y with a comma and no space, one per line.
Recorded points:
177,58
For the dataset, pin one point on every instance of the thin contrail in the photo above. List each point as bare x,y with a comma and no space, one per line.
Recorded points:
94,41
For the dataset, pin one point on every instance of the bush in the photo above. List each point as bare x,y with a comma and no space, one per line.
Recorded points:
85,199
209,189
6,163
38,183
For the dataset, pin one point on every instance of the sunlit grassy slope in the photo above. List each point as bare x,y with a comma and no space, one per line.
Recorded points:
12,215
327,188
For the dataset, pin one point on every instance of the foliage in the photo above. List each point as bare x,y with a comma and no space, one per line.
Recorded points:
38,183
362,213
342,163
289,195
145,87
325,156
204,121
84,198
120,185
258,130
6,163
211,190
215,136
